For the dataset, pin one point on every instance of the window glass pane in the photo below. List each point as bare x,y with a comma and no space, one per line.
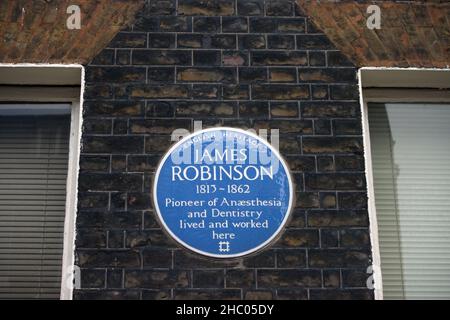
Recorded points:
411,166
33,171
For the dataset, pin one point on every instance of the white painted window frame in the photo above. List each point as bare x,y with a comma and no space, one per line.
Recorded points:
391,85
74,96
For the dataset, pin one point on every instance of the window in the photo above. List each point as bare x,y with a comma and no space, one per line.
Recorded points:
410,146
39,154
406,121
34,152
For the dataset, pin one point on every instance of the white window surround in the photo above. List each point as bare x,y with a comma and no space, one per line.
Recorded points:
22,81
393,85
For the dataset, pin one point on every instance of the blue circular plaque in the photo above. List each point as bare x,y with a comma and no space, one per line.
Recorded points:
223,192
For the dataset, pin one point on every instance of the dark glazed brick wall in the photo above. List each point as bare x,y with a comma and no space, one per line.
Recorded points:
246,64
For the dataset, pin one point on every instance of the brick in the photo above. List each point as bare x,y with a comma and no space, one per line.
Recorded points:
106,295
344,92
292,25
252,41
162,7
335,181
279,8
153,238
120,220
279,58
307,200
183,259
332,145
258,295
206,8
286,126
301,164
263,25
190,41
138,201
347,127
129,40
313,42
235,92
251,74
329,238
234,24
328,200
325,164
106,57
90,239
352,200
250,7
319,92
92,200
94,163
123,57
327,75
354,238
289,278
157,258
175,24
240,278
333,218
235,58
156,295
337,59
109,144
350,163
292,258
280,92
286,42
205,294
156,279
355,278
294,238
223,41
322,127
329,109
116,108
254,110
161,40
202,91
160,126
207,58
341,294
207,24
114,278
338,258
116,239
143,163
159,109
222,75
331,278
265,259
160,75
98,92
282,75
208,279
107,258
115,74
159,91
146,24
292,294
206,109
110,182
317,58
161,57
284,110
120,126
